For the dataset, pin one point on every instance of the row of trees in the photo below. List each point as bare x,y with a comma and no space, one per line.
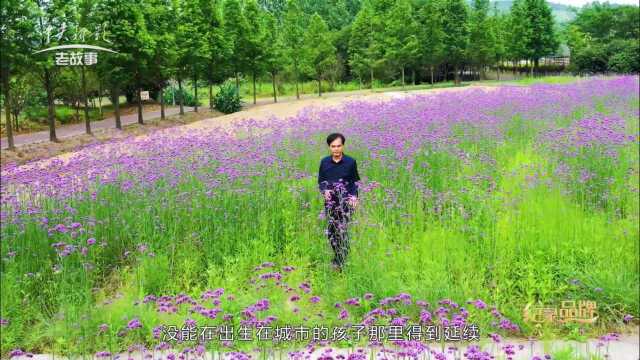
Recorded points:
208,41
605,37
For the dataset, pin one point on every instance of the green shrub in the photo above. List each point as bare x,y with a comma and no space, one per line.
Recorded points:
189,99
626,58
64,114
227,99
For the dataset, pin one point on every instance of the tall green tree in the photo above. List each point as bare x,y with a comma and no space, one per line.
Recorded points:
481,36
519,32
255,47
604,37
51,25
361,43
274,50
16,45
455,15
159,16
193,57
431,35
542,39
401,37
191,50
499,30
83,23
237,30
128,35
319,51
218,47
340,39
24,91
293,38
381,10
532,33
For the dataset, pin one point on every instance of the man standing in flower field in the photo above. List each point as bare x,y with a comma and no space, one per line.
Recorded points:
337,182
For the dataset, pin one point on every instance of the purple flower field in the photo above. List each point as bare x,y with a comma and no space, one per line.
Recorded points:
473,204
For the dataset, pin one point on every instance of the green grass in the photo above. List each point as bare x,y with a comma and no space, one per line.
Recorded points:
35,118
527,80
569,353
264,90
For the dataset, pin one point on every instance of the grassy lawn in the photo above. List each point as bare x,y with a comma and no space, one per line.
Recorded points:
561,79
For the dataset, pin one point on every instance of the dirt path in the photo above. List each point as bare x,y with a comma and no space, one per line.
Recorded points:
67,131
285,108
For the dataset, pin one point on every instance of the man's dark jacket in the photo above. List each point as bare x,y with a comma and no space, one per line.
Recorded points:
344,171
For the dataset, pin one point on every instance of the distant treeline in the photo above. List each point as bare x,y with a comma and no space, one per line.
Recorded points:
210,41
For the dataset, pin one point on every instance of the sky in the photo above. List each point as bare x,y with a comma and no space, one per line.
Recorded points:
579,3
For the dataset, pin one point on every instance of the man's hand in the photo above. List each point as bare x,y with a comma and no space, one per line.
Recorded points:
327,195
353,201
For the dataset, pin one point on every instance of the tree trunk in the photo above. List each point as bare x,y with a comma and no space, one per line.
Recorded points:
253,75
319,87
273,81
530,63
51,116
162,115
210,96
180,96
139,88
7,107
403,78
87,121
47,83
371,74
413,77
296,75
431,70
456,75
237,84
16,124
253,80
100,99
535,65
195,90
115,99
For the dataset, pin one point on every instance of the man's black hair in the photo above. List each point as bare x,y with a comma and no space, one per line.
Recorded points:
334,136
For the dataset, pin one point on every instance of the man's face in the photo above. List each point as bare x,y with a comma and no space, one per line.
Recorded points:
336,147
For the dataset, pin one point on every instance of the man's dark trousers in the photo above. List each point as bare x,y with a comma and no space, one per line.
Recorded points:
338,214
